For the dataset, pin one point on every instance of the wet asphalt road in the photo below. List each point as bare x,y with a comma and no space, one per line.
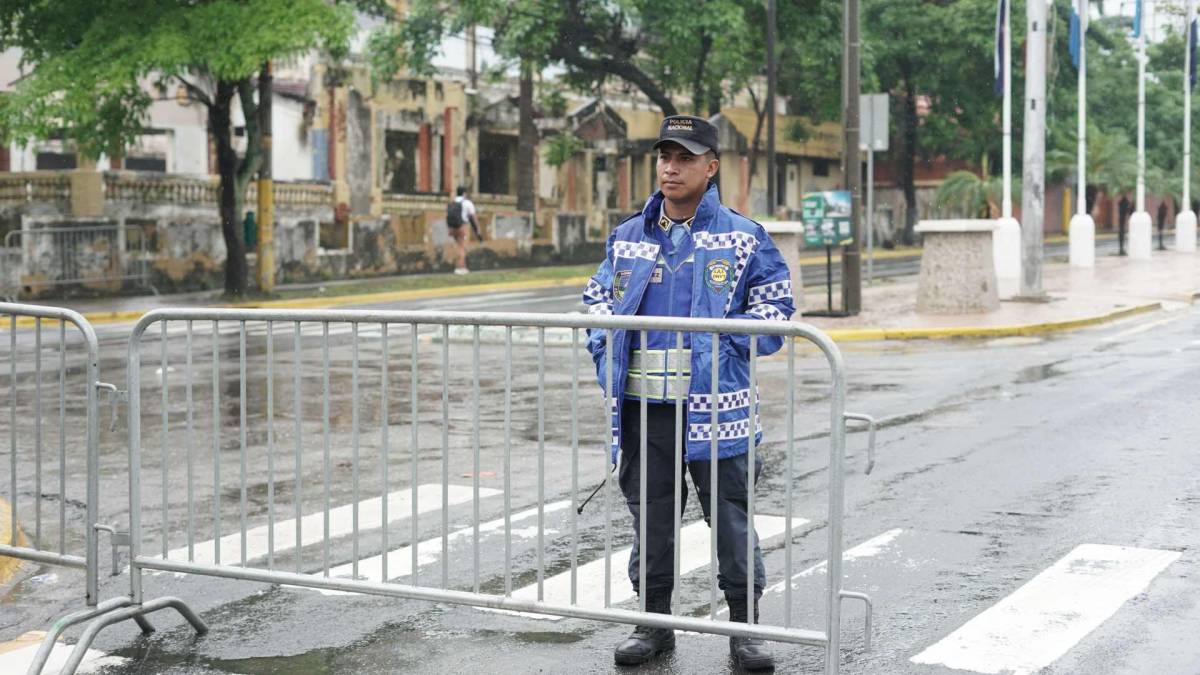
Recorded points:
995,460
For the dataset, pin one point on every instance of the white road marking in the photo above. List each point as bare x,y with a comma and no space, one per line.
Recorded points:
429,498
1140,329
1045,618
429,551
694,554
18,660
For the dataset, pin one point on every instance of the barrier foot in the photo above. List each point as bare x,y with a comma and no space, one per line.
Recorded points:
135,612
57,628
866,599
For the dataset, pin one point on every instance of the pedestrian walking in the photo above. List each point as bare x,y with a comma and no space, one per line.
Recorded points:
459,212
687,255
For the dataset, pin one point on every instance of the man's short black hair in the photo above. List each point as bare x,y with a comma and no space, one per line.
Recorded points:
462,190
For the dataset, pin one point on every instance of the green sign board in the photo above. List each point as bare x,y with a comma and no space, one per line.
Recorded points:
826,217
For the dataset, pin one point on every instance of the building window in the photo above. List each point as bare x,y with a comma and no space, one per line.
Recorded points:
50,161
400,161
497,164
821,167
146,163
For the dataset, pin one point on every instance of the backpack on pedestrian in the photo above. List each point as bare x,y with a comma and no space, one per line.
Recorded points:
454,213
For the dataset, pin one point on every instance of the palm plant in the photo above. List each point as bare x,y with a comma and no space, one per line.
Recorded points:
974,195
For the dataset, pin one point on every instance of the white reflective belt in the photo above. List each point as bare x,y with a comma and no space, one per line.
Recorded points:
673,361
657,387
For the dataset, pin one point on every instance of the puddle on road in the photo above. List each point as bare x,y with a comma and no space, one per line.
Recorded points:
1040,373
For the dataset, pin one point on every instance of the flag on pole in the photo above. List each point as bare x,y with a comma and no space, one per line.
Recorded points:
1074,39
998,64
1137,18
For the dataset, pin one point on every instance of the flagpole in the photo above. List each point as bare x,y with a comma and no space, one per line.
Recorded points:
1081,235
1006,238
1140,223
1006,204
1185,220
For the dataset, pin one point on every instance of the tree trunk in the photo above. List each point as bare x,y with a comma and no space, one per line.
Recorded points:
221,128
908,159
526,141
698,88
760,114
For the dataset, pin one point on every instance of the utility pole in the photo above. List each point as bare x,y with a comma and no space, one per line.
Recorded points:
1033,179
772,198
266,187
851,169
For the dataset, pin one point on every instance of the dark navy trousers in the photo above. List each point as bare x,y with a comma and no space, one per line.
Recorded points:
660,502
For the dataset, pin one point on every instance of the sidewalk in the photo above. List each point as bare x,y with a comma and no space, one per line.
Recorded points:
1117,287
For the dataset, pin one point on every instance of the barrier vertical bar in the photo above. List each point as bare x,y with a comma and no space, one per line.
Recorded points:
270,445
62,436
541,469
642,467
383,448
507,461
752,420
791,477
12,422
354,446
133,375
712,475
325,440
297,416
609,440
216,441
414,382
37,431
166,431
242,437
574,461
679,435
415,395
445,456
189,447
475,470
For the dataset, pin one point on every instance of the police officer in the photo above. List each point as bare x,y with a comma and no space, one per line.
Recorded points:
687,255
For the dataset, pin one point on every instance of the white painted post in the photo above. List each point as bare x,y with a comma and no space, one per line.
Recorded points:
1081,237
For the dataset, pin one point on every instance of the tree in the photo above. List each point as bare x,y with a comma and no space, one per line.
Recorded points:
91,67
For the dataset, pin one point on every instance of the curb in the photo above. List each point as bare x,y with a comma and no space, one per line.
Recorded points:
876,334
8,566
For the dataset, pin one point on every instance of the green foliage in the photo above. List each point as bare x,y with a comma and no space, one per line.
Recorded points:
552,102
975,196
561,148
89,58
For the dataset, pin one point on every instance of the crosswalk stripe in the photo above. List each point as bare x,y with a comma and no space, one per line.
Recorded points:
693,554
1050,614
429,498
16,656
428,551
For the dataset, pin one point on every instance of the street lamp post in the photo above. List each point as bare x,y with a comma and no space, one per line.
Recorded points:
1033,169
1185,221
1082,233
1140,223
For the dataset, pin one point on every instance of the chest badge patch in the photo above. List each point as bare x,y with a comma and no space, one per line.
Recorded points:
620,283
656,276
716,275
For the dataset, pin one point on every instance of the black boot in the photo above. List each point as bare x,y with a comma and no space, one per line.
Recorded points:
748,653
645,642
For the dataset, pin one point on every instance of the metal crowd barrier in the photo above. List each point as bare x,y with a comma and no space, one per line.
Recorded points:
212,405
43,428
68,256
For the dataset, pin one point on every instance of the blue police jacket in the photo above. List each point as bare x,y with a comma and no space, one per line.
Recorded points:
735,272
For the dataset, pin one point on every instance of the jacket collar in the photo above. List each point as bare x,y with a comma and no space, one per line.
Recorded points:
706,212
